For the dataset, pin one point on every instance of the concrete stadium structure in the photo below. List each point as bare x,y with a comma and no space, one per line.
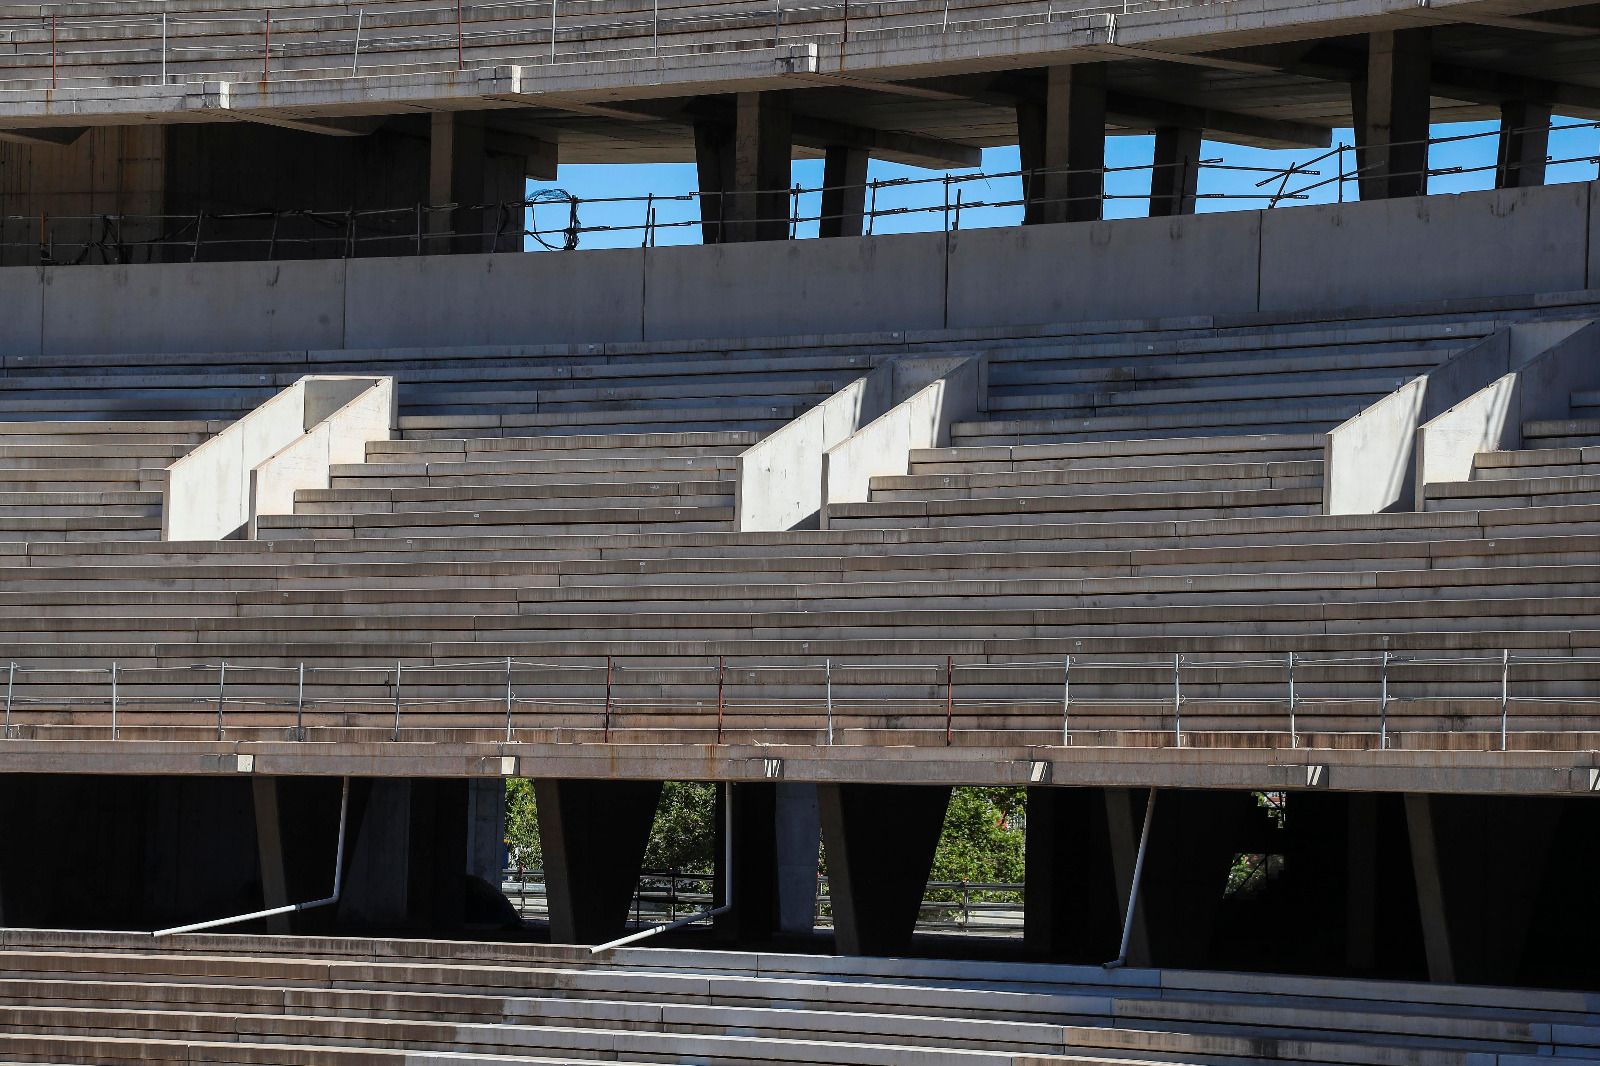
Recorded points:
307,546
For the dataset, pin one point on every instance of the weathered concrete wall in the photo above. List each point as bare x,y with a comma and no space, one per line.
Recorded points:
1426,248
22,297
833,286
1132,268
495,299
1302,260
192,307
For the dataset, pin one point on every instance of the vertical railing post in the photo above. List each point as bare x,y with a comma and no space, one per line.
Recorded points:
1383,703
266,46
721,700
1294,734
508,699
53,77
1505,693
222,689
114,699
606,732
827,677
11,685
553,30
949,700
1177,698
397,699
655,29
300,705
163,48
1066,702
460,60
355,53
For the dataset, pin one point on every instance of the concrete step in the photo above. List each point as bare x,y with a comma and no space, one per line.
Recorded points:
448,498
1095,480
1562,433
1515,492
1164,451
1101,507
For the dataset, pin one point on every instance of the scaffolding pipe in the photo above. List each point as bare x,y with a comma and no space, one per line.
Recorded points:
1133,889
293,908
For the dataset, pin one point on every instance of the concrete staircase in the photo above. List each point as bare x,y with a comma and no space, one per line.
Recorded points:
88,479
122,998
1134,480
583,483
1560,466
1275,380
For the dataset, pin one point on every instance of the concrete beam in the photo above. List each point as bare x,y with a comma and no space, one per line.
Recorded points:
44,136
1231,126
361,126
909,148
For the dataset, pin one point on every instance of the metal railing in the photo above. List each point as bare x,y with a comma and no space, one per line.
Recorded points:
553,219
1073,699
667,895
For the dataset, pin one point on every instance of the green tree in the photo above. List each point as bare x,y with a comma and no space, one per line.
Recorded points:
982,842
683,837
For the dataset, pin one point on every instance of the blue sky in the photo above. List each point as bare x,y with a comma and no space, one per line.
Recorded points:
677,214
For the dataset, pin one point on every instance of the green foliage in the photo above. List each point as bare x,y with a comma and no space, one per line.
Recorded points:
683,837
983,842
522,825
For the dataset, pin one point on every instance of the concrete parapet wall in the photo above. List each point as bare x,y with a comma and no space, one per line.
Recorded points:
1374,459
1304,260
211,493
884,445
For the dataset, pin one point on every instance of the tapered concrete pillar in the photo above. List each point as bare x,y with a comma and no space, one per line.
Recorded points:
1480,866
880,841
1523,146
407,867
713,157
486,829
1391,104
269,850
593,834
456,176
1061,138
844,191
798,830
1175,174
1076,874
762,144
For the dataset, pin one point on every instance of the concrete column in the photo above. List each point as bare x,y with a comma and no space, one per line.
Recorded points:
593,834
880,841
1391,104
1073,910
799,835
762,143
456,176
1175,176
1524,144
1061,141
844,193
713,156
408,856
486,829
269,849
1430,887
1361,883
